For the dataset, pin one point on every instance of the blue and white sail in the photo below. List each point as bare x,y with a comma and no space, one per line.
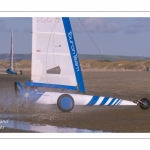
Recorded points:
55,60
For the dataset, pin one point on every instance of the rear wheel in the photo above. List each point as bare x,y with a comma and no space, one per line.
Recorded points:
65,103
145,103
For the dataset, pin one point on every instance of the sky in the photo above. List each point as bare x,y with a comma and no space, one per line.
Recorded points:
98,35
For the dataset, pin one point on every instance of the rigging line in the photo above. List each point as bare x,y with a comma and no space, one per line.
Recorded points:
56,20
52,34
48,46
90,37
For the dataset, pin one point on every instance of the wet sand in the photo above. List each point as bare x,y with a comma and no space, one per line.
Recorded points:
129,85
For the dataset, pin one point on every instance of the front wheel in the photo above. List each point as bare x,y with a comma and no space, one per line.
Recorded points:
17,91
145,103
65,103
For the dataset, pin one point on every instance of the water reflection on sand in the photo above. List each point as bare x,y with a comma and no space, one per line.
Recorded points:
10,123
43,129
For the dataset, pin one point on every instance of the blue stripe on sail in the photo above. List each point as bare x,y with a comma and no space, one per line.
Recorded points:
50,85
116,102
74,55
93,100
112,101
104,101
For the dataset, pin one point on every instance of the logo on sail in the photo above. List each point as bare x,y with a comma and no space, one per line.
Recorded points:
73,51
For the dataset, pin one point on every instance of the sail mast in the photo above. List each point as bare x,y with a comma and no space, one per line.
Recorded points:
11,52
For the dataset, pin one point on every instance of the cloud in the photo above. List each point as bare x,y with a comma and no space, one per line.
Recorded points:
2,25
113,25
139,25
102,25
18,24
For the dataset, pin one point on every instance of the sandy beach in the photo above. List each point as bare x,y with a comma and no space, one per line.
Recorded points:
128,85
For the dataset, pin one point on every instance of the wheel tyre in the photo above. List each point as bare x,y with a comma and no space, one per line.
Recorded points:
145,104
65,103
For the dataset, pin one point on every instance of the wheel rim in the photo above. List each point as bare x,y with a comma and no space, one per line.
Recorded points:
145,103
66,102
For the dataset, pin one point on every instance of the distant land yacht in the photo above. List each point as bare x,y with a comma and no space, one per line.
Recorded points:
10,70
